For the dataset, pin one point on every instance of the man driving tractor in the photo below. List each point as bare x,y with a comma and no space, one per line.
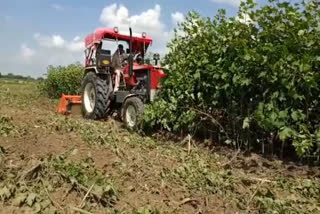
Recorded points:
118,64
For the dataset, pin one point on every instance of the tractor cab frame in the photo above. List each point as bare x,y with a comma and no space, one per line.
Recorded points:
99,59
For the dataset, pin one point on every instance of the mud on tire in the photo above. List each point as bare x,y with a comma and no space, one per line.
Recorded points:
95,97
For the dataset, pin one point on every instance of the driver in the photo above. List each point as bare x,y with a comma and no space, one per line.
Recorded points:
117,63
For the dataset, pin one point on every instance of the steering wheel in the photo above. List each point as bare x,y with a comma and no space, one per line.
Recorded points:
136,56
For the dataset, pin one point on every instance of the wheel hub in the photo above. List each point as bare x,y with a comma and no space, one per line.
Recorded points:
131,116
89,97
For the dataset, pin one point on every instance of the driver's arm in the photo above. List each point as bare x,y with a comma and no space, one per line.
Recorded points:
114,60
125,56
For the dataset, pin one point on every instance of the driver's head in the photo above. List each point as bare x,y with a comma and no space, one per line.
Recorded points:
120,48
139,59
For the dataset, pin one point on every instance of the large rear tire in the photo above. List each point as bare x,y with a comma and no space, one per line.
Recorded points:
132,113
95,97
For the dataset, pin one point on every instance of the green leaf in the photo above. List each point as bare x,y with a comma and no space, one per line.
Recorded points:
301,32
197,75
307,183
297,116
5,193
31,199
286,133
45,203
36,207
228,142
247,57
19,199
283,114
262,74
246,123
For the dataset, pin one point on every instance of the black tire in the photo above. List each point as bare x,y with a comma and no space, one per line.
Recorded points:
136,104
101,93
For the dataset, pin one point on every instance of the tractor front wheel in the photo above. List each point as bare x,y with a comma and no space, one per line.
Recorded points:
95,96
132,112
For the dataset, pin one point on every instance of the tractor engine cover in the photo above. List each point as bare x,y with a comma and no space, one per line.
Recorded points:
149,74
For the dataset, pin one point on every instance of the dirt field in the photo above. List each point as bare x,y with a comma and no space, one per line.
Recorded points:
55,164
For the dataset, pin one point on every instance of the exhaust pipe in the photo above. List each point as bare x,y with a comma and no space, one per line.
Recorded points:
130,56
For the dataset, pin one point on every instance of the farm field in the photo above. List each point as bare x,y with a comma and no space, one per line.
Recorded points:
50,163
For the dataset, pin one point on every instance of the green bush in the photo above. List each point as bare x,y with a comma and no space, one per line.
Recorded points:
251,79
62,79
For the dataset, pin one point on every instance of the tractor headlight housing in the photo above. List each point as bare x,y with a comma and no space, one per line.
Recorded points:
144,35
116,29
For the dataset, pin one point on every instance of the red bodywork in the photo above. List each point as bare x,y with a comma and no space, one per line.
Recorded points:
155,74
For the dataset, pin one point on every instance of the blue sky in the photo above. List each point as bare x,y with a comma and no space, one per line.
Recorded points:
36,33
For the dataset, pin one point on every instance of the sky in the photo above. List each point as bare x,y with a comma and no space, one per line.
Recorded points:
38,33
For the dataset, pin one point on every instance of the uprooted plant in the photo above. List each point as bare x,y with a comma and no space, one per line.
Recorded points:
33,187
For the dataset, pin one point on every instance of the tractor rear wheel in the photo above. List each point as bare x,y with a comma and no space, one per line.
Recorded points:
95,97
132,112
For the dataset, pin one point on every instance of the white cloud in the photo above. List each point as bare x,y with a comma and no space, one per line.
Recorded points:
177,17
77,38
75,46
26,52
233,3
56,41
48,41
50,50
147,21
244,19
57,7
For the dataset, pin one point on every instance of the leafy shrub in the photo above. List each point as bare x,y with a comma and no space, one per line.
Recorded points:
251,78
62,79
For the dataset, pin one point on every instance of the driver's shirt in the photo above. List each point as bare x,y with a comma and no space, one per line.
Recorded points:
117,60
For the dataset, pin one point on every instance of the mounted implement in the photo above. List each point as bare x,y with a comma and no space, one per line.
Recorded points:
67,102
117,80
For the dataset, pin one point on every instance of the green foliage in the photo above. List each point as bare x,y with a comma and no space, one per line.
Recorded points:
249,78
62,79
6,126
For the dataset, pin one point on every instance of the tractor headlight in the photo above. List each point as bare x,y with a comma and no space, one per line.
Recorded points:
144,35
116,29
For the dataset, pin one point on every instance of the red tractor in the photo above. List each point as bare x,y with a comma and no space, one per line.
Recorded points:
139,81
